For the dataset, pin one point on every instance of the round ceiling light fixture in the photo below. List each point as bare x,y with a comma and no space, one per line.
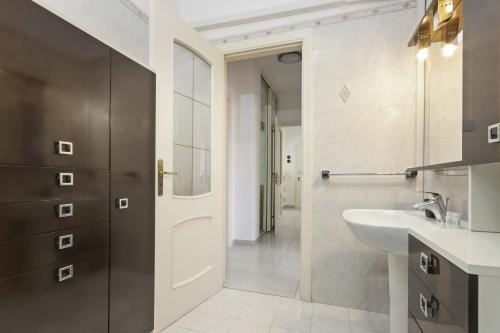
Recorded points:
290,57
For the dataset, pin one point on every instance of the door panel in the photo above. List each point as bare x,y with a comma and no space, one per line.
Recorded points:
132,178
190,136
55,87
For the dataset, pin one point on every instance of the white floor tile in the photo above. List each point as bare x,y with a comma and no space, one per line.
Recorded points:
263,315
275,329
330,311
293,320
213,323
329,325
243,326
374,321
175,329
296,305
263,300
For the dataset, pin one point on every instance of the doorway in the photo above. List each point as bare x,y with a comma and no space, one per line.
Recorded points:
264,103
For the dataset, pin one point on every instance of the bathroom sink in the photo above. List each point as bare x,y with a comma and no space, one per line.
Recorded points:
385,230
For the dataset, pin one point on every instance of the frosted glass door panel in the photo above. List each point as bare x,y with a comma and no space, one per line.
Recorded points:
201,171
183,120
201,126
183,70
183,165
192,123
202,78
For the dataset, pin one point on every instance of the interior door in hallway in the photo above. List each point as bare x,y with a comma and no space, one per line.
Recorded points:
298,174
191,168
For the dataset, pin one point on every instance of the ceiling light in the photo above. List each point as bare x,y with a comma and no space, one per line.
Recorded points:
423,45
290,57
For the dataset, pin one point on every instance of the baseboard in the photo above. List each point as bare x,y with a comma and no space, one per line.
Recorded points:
245,242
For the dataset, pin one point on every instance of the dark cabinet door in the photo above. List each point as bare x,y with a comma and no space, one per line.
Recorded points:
132,180
38,302
54,83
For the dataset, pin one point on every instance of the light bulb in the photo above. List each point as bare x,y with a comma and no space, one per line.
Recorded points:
448,50
423,54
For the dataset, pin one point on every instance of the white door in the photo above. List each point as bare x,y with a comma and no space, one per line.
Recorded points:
190,140
277,173
298,174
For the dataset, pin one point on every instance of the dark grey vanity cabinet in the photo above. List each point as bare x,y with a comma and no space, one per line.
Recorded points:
132,181
441,297
77,153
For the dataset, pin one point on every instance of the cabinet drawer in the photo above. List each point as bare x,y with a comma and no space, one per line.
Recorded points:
22,219
431,314
30,183
25,254
446,281
38,302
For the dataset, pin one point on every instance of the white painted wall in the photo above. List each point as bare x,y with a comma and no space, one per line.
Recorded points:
123,23
291,137
243,83
289,111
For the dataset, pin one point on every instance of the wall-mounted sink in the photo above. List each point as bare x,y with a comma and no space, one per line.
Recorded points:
387,230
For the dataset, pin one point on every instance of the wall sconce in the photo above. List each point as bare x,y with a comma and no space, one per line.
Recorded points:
424,40
445,10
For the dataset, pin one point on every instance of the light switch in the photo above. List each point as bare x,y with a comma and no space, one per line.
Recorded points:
494,133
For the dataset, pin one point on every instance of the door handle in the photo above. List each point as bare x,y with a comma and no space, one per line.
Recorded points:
161,174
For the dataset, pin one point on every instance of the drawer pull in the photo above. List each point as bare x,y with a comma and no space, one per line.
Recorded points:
122,203
64,210
65,179
64,148
65,273
429,264
428,308
65,242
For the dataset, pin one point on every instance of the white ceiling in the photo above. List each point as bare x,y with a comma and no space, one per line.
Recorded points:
281,77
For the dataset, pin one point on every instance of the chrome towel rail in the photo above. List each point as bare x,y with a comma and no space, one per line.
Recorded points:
325,174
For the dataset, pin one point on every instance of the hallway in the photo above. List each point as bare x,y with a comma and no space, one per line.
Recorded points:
272,266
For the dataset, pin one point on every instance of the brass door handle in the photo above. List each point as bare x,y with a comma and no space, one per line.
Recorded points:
161,174
167,173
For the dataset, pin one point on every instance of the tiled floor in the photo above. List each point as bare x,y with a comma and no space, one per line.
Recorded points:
272,266
236,311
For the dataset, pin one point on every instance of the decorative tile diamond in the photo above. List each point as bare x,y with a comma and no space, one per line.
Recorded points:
344,94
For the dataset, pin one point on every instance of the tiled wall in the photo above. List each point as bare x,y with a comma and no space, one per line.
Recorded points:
364,121
123,23
453,184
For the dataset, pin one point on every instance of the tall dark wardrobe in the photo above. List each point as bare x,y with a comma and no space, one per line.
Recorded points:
77,152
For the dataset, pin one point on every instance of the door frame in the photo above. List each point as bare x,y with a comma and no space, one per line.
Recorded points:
250,48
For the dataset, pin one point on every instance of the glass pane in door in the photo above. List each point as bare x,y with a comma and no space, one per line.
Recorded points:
191,123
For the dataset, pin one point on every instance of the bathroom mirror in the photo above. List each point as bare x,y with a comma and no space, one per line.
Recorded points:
443,78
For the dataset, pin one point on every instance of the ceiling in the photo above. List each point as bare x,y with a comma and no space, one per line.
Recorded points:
281,77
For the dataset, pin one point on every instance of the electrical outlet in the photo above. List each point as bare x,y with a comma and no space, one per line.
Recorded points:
494,133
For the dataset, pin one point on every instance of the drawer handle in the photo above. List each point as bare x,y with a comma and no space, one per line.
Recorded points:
428,308
64,148
429,264
65,242
65,273
65,179
64,210
122,203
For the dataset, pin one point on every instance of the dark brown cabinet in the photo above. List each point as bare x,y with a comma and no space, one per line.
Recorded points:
77,175
441,297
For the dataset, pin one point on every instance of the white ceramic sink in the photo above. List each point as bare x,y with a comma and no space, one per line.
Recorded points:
385,230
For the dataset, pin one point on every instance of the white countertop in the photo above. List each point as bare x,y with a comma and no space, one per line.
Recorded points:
474,252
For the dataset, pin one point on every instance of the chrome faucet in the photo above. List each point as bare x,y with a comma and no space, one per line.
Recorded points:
436,205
